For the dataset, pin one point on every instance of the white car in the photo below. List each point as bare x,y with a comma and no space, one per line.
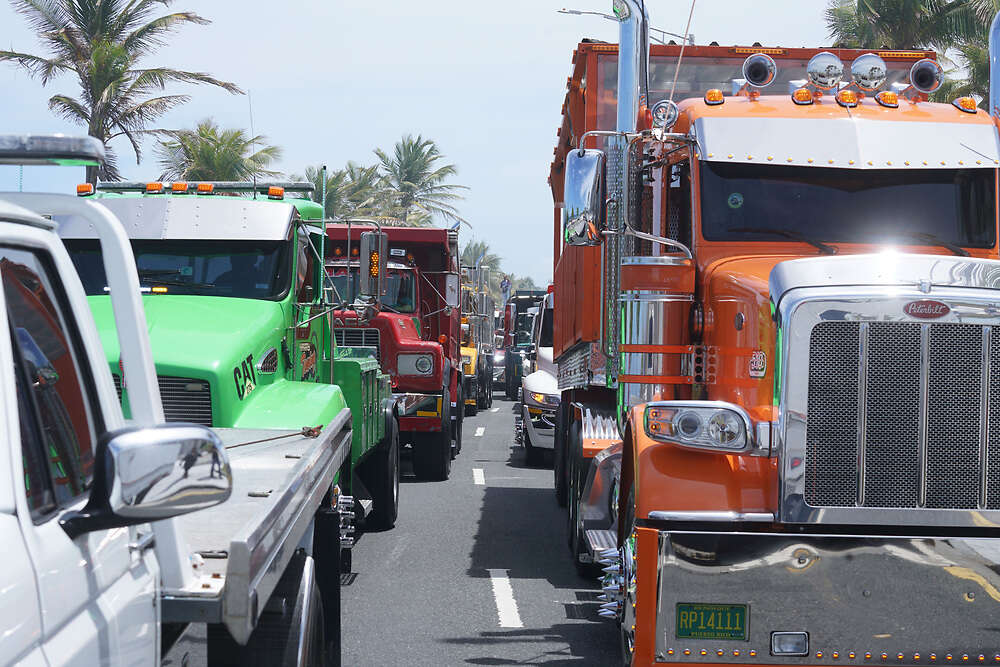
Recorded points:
539,390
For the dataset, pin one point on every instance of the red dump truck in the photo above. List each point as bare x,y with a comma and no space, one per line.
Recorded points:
412,327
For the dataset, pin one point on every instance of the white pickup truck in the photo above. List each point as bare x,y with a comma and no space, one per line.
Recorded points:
97,568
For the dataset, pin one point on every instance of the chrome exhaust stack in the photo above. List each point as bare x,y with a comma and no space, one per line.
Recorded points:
995,67
633,62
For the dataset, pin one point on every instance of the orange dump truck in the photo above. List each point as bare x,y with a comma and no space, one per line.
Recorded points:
777,334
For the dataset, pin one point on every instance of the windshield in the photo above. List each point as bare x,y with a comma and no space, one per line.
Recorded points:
241,269
848,205
400,287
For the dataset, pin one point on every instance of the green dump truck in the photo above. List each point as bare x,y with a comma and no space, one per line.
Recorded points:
239,321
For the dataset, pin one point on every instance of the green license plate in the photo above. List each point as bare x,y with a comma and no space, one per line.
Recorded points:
698,620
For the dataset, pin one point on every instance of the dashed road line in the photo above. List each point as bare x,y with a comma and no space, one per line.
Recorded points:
479,431
478,477
504,596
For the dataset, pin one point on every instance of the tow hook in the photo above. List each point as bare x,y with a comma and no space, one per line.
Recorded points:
345,508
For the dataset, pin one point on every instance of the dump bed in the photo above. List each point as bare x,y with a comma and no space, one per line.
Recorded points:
280,477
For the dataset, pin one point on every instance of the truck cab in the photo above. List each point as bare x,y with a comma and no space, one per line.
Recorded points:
517,327
412,327
786,320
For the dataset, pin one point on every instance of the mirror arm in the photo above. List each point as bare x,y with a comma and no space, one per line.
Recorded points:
670,243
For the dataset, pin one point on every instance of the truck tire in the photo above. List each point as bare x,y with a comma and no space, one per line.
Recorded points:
385,480
559,456
510,387
432,451
456,436
489,384
473,392
290,632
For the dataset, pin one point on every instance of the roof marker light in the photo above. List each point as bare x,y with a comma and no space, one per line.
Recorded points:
206,188
802,96
179,188
888,99
154,188
276,192
966,104
714,97
84,189
848,98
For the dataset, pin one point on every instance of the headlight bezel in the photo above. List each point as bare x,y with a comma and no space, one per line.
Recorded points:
663,422
407,363
542,400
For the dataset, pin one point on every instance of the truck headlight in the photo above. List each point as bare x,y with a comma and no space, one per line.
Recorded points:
414,364
550,400
712,425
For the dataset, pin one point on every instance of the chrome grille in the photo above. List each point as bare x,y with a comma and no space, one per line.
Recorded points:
903,415
358,338
184,399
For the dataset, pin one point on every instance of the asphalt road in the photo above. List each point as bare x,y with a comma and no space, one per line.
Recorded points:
476,571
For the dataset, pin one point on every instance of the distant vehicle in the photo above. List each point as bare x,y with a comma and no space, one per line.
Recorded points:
539,389
517,326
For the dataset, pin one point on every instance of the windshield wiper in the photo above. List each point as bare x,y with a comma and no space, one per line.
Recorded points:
159,272
824,248
930,239
182,283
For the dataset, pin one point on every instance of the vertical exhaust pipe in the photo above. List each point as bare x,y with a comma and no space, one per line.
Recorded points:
633,61
995,67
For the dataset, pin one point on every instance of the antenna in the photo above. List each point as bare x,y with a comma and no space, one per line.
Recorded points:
253,142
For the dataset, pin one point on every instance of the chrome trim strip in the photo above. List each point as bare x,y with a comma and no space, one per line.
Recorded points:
862,408
659,260
712,516
984,418
924,395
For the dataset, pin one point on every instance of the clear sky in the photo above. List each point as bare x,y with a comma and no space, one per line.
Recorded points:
332,80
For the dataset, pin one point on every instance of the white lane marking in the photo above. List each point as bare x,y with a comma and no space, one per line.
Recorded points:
495,410
478,477
480,430
504,596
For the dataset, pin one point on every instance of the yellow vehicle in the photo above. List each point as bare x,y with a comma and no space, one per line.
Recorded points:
477,340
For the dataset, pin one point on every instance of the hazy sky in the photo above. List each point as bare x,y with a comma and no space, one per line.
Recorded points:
332,80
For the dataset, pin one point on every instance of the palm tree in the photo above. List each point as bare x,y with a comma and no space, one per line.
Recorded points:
897,24
210,153
477,253
417,182
350,192
102,43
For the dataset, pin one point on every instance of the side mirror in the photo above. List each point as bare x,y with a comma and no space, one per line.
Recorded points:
583,198
148,474
452,290
374,248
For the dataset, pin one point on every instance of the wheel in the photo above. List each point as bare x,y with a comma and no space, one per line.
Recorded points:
432,451
385,480
627,563
489,385
559,456
288,634
481,389
510,386
457,435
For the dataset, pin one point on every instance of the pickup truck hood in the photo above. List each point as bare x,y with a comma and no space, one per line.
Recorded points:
197,336
543,380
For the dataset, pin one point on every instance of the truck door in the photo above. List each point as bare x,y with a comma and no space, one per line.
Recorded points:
97,593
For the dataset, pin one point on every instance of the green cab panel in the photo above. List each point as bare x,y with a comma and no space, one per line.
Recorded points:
365,387
289,404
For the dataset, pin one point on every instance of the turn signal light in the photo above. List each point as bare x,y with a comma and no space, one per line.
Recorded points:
848,98
888,98
206,188
373,264
354,251
714,97
338,251
967,104
84,189
443,339
179,187
154,188
275,192
802,96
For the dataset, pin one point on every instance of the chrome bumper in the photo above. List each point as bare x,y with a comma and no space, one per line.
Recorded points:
541,425
858,600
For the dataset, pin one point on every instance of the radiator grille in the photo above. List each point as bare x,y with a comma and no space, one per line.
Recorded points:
358,338
184,399
897,416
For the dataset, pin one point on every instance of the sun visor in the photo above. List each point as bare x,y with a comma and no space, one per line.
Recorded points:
848,143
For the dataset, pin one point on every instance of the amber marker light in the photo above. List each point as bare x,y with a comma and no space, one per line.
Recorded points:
154,188
159,290
848,98
802,96
354,252
275,192
338,251
206,188
443,339
714,97
966,104
84,189
888,99
179,188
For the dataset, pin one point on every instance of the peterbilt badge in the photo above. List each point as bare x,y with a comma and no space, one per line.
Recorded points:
926,309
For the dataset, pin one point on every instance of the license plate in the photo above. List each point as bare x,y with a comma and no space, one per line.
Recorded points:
698,620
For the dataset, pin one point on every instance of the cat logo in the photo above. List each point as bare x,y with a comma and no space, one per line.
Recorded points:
245,377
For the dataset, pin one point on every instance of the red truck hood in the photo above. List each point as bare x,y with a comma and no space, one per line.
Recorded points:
398,333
